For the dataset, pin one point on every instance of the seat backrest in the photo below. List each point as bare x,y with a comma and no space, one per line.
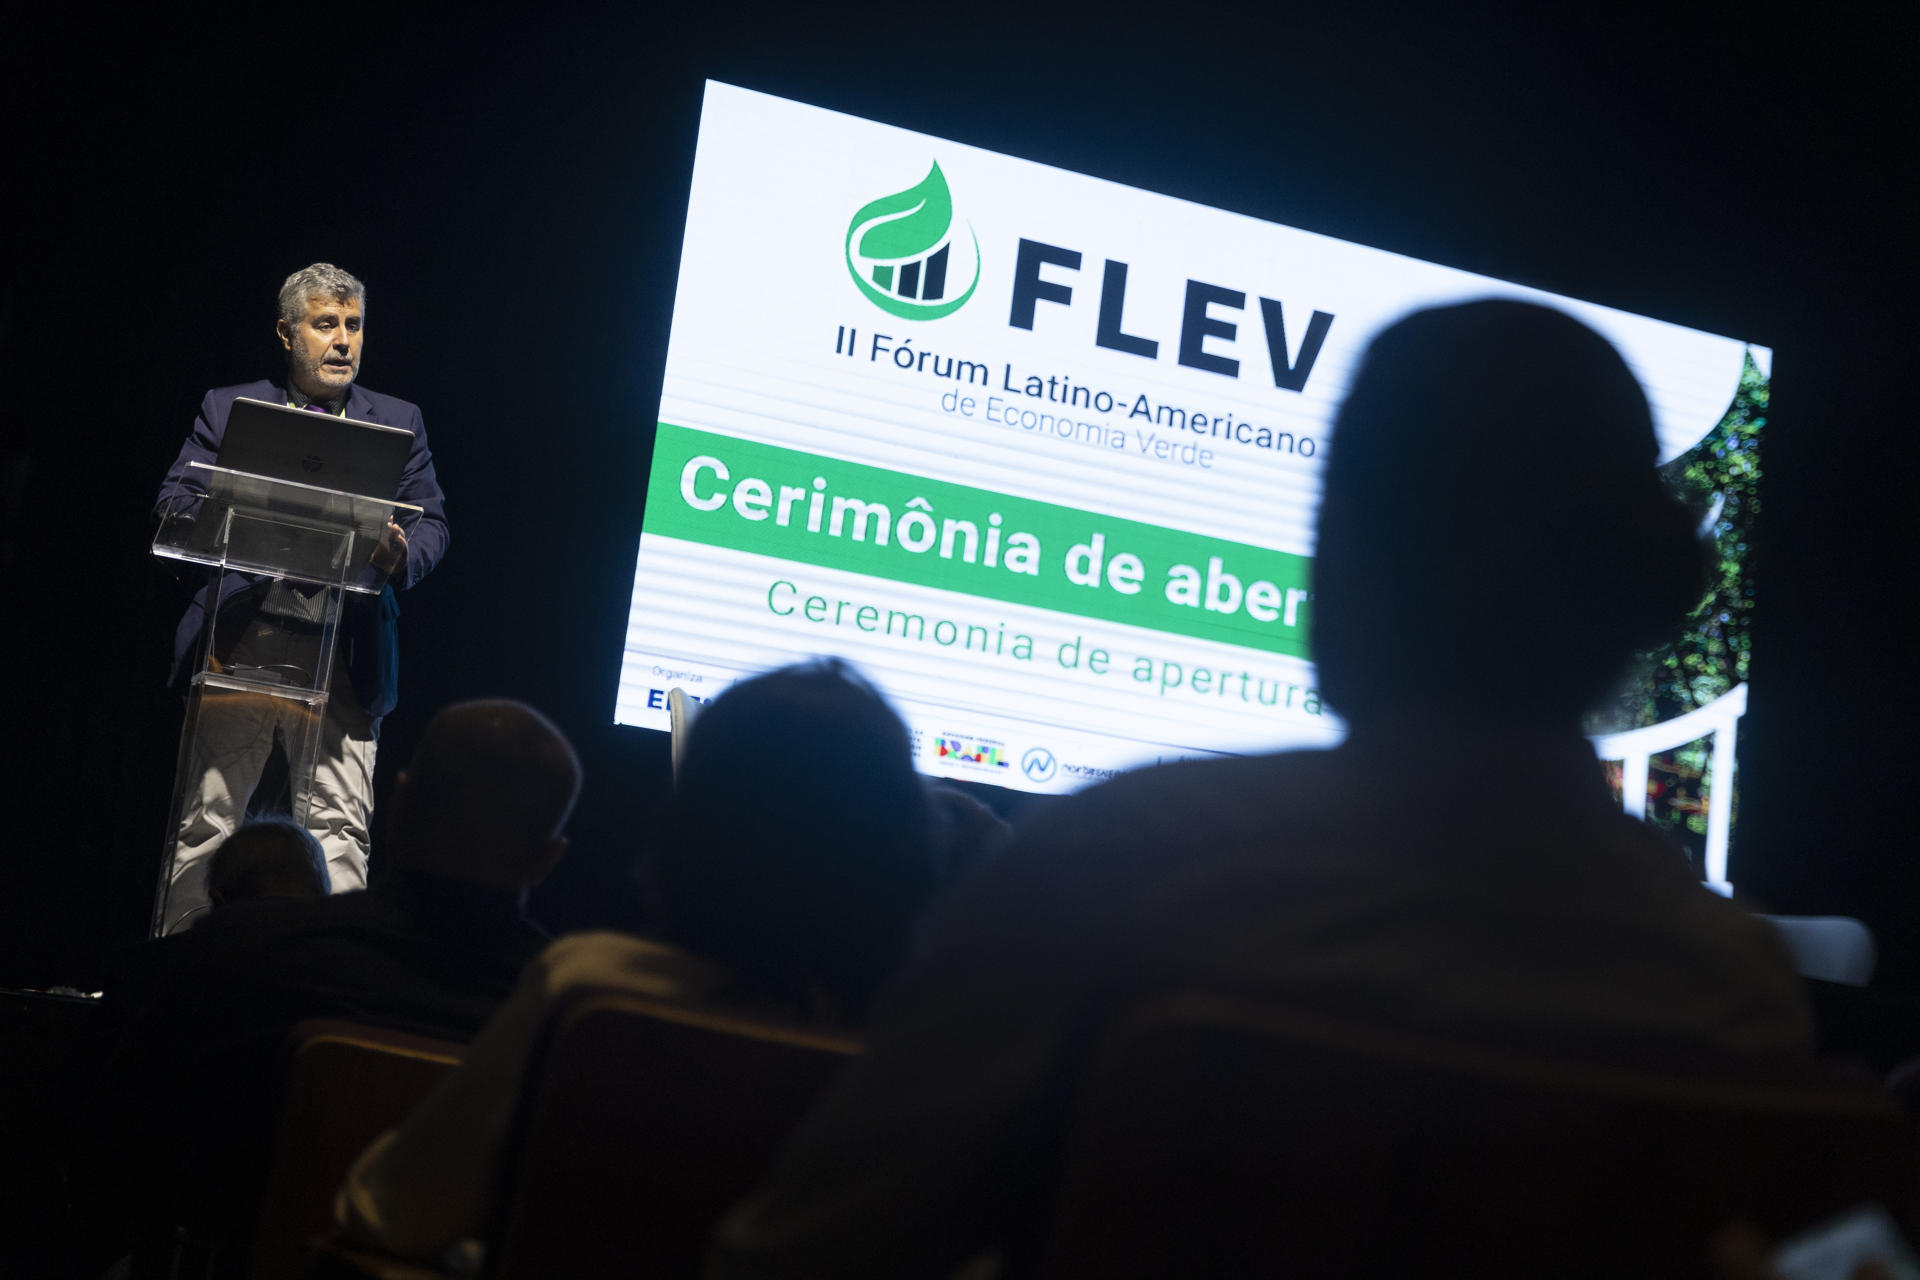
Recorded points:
642,1121
1218,1138
345,1084
1831,948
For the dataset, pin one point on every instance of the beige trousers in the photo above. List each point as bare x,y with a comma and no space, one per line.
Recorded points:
237,733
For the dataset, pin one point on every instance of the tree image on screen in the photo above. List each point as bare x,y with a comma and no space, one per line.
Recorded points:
1718,479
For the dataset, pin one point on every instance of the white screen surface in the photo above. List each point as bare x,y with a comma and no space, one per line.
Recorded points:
1038,452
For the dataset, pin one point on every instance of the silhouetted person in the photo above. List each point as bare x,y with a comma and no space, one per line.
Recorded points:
475,822
433,947
798,864
799,851
1493,545
274,858
965,831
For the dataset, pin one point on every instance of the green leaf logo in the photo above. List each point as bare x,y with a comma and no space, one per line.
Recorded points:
902,253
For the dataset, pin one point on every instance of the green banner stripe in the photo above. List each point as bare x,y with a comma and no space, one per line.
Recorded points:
909,528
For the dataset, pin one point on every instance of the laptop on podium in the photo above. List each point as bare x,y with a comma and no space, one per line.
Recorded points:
320,449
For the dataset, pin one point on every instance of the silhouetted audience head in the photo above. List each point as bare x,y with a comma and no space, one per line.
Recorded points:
486,796
964,831
1494,542
798,855
274,858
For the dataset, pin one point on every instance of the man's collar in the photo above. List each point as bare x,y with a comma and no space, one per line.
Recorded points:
300,399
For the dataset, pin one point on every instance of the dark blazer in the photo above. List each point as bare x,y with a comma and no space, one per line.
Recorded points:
369,627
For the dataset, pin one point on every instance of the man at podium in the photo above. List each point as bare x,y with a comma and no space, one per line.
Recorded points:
322,310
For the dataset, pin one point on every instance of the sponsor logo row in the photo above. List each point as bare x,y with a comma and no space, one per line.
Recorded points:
1038,764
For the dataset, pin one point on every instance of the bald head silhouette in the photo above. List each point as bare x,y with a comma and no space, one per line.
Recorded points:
1494,541
486,795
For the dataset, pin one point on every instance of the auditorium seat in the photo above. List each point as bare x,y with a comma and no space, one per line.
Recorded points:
346,1083
1213,1137
641,1121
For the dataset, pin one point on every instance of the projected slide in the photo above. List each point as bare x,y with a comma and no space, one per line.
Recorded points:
1039,452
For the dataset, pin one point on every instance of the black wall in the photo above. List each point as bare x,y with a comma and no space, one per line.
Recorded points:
511,185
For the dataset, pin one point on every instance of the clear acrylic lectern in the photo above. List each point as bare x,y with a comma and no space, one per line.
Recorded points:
286,554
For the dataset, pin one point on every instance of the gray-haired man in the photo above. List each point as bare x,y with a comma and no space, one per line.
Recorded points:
320,323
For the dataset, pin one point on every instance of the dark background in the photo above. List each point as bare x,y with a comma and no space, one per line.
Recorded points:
511,184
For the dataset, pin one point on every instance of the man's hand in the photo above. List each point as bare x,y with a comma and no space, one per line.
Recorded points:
391,551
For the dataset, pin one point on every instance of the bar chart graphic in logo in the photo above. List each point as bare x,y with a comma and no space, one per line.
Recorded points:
904,255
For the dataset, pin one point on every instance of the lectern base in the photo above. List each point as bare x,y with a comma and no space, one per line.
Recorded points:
230,735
